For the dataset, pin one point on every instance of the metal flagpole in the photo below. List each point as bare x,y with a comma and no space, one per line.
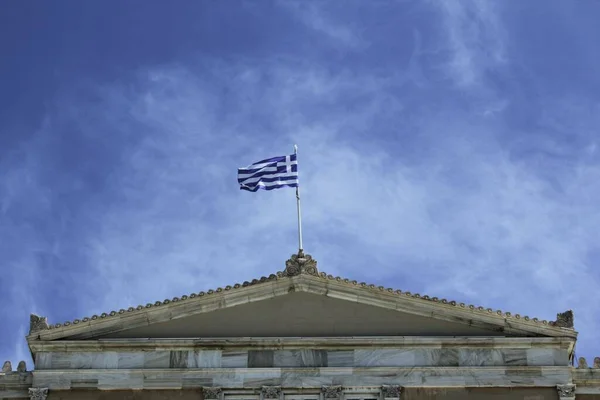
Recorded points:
300,249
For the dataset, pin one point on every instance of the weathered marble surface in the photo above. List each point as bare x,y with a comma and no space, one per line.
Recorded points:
309,377
340,358
157,359
261,358
15,384
409,394
458,318
204,359
127,360
179,358
389,357
297,343
587,381
234,359
300,358
483,357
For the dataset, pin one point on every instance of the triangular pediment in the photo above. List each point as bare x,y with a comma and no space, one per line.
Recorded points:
300,302
301,314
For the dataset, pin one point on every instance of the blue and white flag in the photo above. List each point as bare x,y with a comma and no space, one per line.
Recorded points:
273,173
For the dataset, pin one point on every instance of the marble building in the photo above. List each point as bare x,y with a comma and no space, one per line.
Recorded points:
301,334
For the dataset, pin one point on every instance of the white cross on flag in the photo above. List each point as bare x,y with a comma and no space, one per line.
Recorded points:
272,173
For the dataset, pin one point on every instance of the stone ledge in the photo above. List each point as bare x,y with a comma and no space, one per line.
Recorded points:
303,377
15,385
465,393
587,380
373,357
293,343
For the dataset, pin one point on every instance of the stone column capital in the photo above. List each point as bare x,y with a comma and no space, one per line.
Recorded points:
566,392
391,391
38,393
271,392
211,393
331,392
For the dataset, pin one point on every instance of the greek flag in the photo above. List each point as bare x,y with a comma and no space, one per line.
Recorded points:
272,173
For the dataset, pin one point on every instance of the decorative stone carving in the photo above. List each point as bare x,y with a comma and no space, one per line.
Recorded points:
37,323
211,393
38,393
582,363
564,320
391,391
596,362
300,264
331,392
271,392
566,391
7,366
22,367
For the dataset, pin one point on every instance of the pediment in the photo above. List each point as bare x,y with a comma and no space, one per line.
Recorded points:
300,302
300,314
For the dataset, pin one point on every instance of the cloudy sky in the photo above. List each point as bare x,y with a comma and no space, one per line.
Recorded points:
445,148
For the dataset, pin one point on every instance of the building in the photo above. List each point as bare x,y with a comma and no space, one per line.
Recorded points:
303,335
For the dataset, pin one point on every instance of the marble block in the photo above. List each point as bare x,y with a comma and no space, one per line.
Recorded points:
547,357
309,378
515,357
480,358
130,360
265,377
204,359
385,357
234,359
178,359
43,360
157,359
84,360
300,358
340,358
436,357
260,358
118,381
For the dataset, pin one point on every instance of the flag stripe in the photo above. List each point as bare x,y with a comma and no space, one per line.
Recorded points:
268,174
243,175
270,162
270,178
272,168
269,187
267,167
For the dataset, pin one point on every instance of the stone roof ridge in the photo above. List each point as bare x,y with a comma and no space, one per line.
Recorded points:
304,264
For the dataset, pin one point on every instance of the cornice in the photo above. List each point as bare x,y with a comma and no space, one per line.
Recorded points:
290,343
303,269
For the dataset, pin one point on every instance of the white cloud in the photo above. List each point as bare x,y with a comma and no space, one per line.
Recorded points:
476,38
315,16
463,220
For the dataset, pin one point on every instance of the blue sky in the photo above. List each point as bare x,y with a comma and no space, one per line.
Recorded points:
445,148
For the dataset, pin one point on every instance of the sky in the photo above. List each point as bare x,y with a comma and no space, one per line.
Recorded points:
445,148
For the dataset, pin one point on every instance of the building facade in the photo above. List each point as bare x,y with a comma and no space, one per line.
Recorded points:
303,335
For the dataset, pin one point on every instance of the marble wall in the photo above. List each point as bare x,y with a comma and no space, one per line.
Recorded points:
388,357
303,377
15,384
409,394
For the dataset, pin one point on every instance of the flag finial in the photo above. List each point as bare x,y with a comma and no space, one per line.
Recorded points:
300,264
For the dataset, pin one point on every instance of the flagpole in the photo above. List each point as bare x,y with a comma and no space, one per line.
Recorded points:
300,249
